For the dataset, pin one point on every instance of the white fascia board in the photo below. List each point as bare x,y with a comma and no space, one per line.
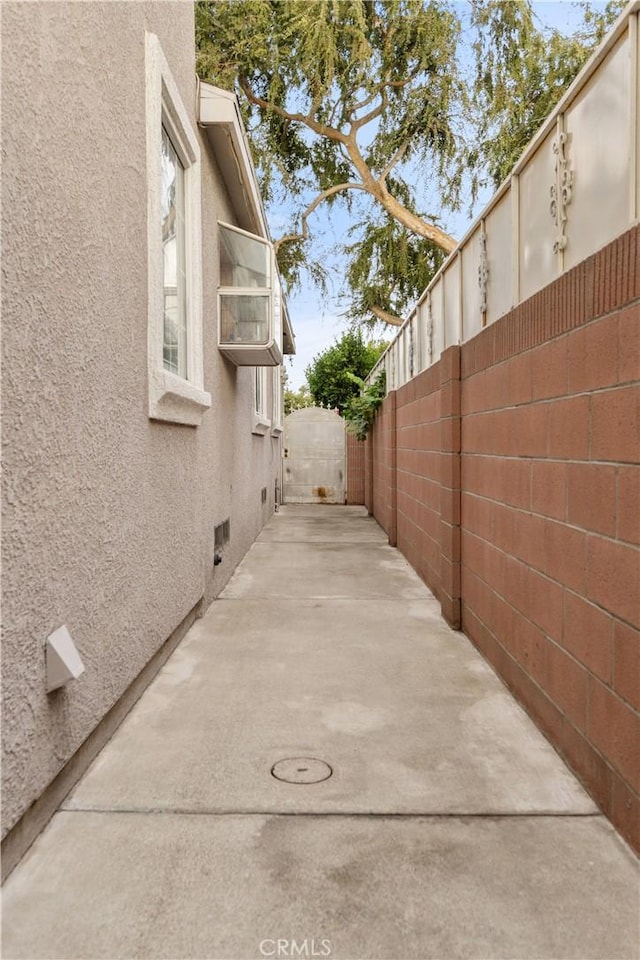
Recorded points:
289,337
218,109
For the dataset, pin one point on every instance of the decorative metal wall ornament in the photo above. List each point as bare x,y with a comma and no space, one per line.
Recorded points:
429,330
561,191
411,349
483,273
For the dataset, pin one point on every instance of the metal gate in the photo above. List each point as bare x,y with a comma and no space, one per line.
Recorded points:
314,457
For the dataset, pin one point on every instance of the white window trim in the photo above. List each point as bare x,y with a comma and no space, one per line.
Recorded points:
261,423
276,402
235,348
171,397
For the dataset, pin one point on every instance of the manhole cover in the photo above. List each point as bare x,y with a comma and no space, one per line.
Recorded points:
301,770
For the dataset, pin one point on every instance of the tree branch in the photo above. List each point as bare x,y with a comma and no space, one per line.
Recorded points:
370,185
368,117
395,159
386,317
329,192
343,152
398,84
334,110
384,98
320,128
288,238
365,103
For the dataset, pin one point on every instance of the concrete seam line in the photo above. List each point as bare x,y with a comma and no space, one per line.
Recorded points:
182,812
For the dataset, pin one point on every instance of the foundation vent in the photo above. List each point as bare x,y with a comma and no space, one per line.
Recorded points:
222,533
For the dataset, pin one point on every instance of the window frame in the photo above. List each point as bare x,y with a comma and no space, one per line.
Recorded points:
266,352
179,289
259,292
261,422
277,405
172,398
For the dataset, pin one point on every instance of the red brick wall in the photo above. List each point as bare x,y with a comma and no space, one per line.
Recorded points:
355,470
518,501
418,475
382,443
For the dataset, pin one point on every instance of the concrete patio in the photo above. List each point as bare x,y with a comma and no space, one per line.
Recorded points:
448,828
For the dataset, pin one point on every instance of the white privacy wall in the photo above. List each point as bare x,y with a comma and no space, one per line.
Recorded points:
574,190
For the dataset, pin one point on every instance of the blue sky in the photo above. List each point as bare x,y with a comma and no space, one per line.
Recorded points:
316,319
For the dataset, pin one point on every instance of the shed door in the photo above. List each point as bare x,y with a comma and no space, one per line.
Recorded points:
314,457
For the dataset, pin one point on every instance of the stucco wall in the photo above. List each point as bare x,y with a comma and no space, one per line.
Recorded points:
239,463
107,516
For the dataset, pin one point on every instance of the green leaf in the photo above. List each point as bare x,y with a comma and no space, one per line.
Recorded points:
361,410
337,375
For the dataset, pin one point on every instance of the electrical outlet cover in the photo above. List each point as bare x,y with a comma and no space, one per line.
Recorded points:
63,660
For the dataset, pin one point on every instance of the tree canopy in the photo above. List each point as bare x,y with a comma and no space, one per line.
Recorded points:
297,399
371,103
330,374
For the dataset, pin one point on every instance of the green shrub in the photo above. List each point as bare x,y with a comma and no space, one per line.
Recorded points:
360,411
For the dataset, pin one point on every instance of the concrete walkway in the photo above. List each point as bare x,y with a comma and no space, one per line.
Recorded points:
448,828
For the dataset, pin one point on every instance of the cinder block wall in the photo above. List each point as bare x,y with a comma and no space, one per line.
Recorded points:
419,475
516,496
382,466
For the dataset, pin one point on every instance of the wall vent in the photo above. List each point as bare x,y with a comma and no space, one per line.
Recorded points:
222,534
264,494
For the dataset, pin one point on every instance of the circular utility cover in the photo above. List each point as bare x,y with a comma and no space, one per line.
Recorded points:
301,770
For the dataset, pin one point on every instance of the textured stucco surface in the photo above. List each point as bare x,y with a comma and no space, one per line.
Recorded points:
107,516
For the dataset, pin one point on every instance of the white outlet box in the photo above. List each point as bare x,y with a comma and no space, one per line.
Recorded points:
63,660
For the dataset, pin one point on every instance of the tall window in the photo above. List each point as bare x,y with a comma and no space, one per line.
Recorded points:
261,421
174,238
261,399
174,344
